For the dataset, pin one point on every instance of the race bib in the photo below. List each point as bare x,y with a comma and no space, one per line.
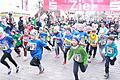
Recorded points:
103,42
110,50
77,57
32,46
82,41
93,42
25,39
4,47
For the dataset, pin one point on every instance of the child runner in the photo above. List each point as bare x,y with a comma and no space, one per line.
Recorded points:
57,37
24,38
88,29
102,42
110,55
35,47
18,43
67,39
6,43
43,35
82,36
93,44
80,57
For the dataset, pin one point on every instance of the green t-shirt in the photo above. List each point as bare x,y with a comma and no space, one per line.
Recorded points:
16,37
79,55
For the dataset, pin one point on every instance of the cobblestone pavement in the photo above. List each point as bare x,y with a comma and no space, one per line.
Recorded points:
54,70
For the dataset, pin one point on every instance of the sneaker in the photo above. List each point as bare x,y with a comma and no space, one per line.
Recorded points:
106,75
89,60
64,62
103,60
17,69
9,72
19,55
41,70
57,56
25,58
86,65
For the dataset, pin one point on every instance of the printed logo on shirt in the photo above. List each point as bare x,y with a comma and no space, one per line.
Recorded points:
110,50
32,46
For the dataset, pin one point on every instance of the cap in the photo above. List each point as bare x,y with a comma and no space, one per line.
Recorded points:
76,39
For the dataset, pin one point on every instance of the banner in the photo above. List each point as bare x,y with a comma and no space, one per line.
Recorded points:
115,5
79,5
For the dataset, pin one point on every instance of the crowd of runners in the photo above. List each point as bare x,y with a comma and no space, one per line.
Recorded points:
79,40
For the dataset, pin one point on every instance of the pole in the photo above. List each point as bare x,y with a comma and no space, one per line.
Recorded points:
39,12
22,4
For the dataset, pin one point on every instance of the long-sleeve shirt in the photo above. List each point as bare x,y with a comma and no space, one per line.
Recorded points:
6,43
36,48
111,50
80,55
58,37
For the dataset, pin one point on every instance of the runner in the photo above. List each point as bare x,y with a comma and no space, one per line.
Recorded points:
6,43
102,42
80,57
18,43
24,38
35,47
110,55
93,44
67,39
57,37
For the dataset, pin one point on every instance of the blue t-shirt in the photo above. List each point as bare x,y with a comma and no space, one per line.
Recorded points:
6,43
69,37
59,37
111,50
36,48
82,35
75,33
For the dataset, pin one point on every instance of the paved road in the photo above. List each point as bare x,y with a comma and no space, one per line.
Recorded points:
54,70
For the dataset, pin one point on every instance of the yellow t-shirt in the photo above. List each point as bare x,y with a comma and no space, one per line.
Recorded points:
93,40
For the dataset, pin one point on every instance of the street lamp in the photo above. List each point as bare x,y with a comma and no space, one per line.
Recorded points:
39,2
22,4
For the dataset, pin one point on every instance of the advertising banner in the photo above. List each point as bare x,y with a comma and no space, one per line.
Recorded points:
79,5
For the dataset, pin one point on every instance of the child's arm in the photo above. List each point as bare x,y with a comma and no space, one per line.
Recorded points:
106,50
115,52
85,55
20,38
43,44
70,54
96,39
47,48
